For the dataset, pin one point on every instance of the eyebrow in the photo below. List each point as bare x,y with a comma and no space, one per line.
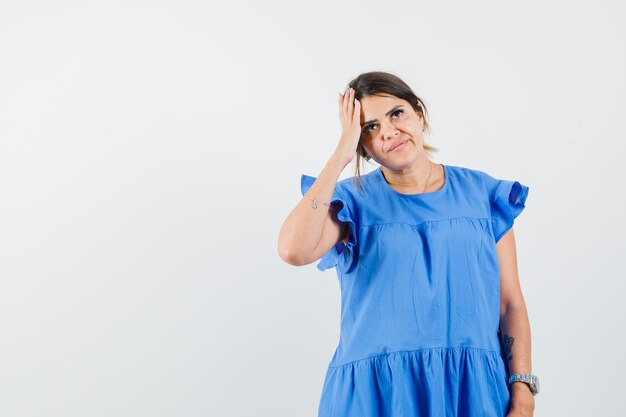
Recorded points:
386,114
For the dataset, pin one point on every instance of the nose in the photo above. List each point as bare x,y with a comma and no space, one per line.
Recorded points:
390,131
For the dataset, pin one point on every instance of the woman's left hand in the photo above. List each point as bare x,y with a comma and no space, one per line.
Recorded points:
522,401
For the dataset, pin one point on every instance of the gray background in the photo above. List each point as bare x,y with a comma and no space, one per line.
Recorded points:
150,151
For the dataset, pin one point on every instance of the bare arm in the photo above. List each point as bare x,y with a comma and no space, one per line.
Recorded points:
514,324
308,233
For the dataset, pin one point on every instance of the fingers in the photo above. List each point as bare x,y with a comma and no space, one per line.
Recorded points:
357,111
342,99
351,103
346,100
339,97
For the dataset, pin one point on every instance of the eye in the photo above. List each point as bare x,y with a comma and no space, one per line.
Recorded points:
367,128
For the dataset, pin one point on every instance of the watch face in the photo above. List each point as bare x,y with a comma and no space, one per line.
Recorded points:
536,384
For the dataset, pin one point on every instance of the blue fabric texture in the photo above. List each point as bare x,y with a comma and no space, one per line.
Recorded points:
340,252
420,297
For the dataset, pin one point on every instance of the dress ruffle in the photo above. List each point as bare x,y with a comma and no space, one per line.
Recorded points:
462,381
340,255
509,198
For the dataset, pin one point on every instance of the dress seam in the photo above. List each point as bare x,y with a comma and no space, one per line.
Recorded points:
414,350
426,221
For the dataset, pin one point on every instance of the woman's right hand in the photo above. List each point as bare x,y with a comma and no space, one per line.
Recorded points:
350,116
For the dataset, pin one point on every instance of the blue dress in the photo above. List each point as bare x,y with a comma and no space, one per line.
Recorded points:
420,298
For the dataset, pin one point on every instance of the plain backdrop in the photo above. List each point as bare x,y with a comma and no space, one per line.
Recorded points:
150,151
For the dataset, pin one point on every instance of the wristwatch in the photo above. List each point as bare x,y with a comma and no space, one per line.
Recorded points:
530,379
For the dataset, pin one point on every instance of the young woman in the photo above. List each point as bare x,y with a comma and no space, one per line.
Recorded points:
433,320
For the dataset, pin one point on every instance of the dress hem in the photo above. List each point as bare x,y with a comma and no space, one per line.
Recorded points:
411,351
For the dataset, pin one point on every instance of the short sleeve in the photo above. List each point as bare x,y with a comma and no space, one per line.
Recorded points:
507,200
341,255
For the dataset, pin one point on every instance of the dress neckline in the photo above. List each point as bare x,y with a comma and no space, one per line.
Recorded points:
430,194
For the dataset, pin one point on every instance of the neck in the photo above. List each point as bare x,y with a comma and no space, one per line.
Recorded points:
414,177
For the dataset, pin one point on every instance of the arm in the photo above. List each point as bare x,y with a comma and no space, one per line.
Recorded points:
514,324
308,233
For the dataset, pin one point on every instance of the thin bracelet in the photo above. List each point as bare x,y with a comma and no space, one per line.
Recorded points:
314,205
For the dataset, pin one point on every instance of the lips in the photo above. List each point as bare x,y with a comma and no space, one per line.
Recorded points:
396,145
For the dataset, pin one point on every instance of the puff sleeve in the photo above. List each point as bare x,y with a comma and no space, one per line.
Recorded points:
507,199
341,255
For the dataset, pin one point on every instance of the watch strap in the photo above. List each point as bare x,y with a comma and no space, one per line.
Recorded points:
531,380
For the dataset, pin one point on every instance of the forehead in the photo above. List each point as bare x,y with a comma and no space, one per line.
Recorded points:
374,107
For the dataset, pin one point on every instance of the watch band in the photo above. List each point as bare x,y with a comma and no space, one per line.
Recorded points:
531,380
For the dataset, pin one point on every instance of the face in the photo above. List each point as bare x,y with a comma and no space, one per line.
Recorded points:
385,122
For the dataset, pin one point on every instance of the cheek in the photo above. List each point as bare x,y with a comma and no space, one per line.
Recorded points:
411,127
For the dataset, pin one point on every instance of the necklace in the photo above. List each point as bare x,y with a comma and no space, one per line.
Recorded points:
431,171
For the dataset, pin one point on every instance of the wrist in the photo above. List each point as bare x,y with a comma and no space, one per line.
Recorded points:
519,387
521,396
342,157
